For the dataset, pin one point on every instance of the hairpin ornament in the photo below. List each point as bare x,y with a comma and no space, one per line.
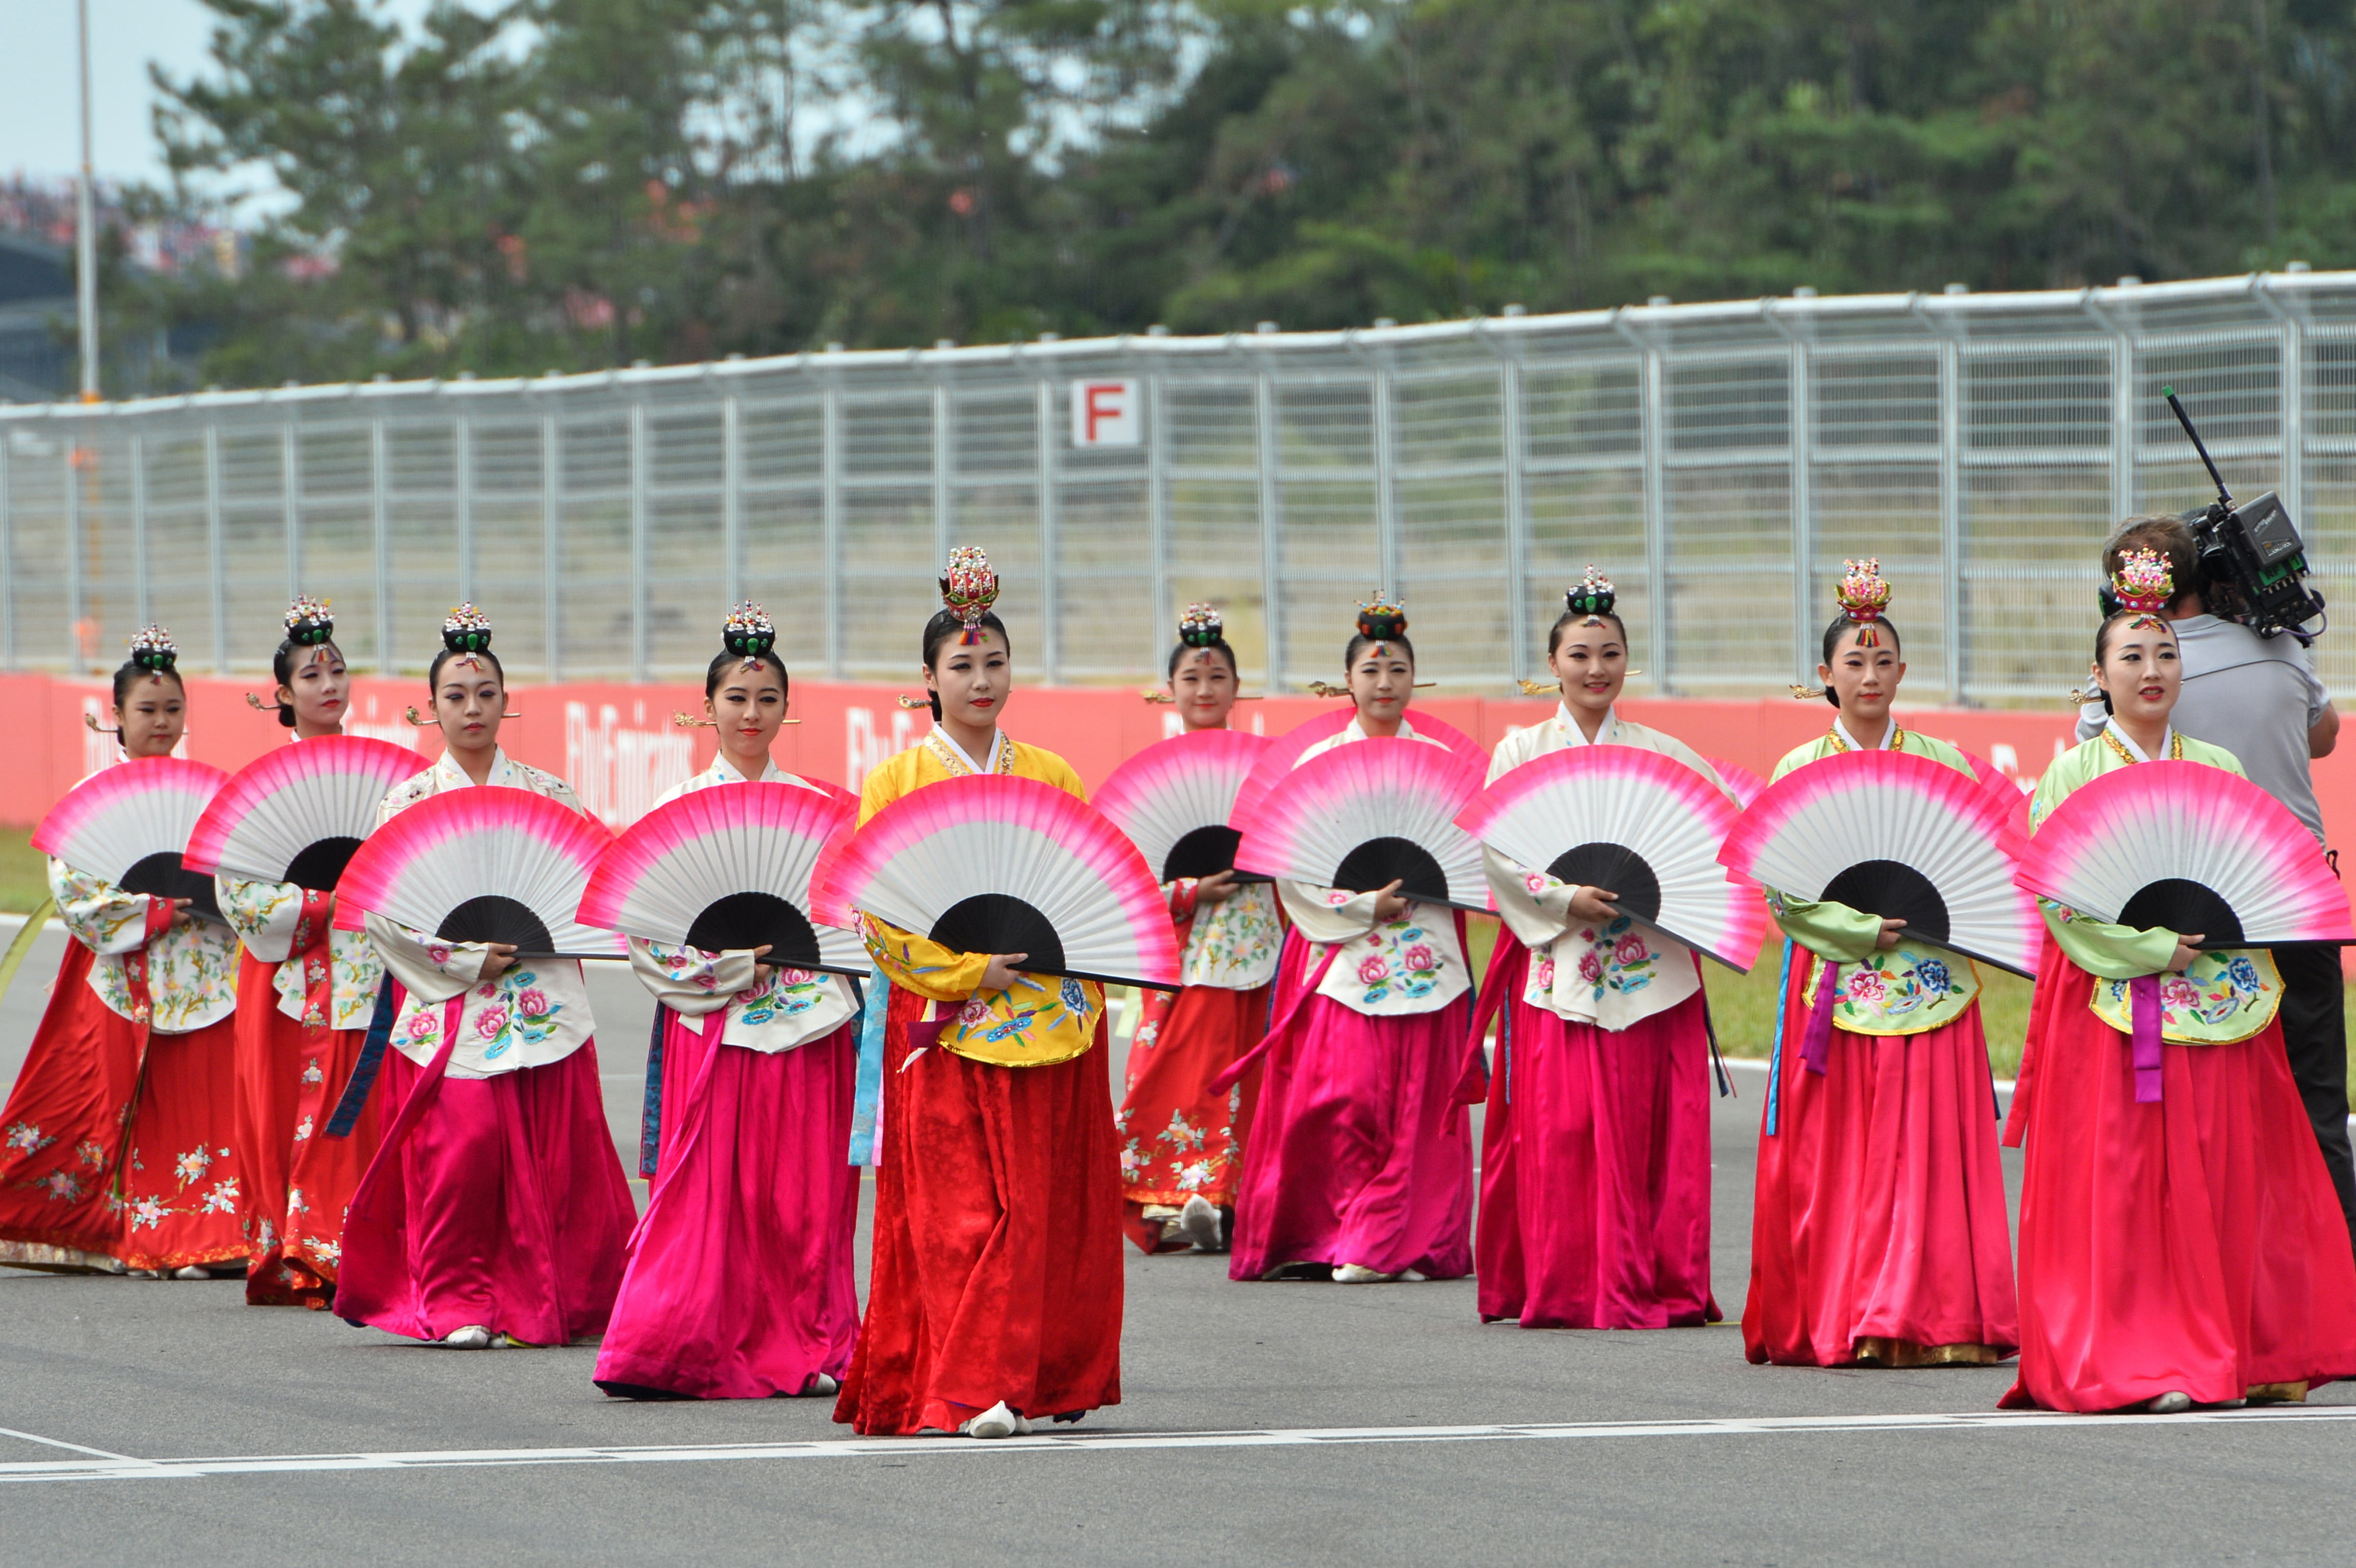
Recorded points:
1593,598
309,623
682,720
968,589
424,724
1864,597
153,650
1200,627
748,633
2142,586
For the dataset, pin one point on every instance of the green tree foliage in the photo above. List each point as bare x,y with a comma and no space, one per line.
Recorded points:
580,183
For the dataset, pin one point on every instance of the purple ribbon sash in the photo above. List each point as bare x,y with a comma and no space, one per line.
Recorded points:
2144,1014
1815,1046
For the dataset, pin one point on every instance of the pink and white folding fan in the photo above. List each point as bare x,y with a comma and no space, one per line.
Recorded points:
296,813
1896,835
1282,751
996,864
485,864
2008,794
1174,797
1368,814
1641,825
1277,757
1745,783
726,867
129,825
2188,848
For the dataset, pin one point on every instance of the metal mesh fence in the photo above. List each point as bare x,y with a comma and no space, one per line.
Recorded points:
1718,461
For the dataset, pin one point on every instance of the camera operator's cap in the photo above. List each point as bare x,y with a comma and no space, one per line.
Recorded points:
2143,585
1864,597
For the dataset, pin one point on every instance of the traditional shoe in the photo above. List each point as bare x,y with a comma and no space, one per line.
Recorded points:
194,1271
2175,1402
106,1265
1413,1277
997,1421
473,1337
1200,1221
145,1273
1358,1273
820,1386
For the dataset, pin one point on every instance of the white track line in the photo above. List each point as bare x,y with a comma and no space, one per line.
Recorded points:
116,1467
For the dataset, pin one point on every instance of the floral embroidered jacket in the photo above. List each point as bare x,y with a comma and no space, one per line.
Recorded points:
1613,974
1911,988
1232,946
191,962
264,915
1411,965
770,1009
529,1015
2228,994
1039,1020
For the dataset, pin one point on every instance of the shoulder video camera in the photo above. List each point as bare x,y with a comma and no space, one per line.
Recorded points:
2252,564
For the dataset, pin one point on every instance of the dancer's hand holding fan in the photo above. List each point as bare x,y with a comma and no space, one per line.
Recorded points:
1360,817
728,869
1644,826
1897,837
490,864
2186,847
1008,865
130,823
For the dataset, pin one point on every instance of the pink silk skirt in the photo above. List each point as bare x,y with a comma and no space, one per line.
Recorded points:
1595,1171
739,1284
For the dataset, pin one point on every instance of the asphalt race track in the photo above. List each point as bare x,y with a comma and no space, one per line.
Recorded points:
165,1421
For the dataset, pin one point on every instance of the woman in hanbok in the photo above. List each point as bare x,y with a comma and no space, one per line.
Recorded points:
739,1282
1878,1233
1360,1167
995,1295
1595,1150
2183,1248
1181,1151
496,1207
119,1142
305,996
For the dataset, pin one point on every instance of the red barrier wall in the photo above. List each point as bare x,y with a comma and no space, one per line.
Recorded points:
619,748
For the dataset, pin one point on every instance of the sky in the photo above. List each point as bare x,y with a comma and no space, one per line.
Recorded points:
39,128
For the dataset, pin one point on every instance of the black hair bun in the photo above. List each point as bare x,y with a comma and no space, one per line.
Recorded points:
1593,597
1382,619
308,622
747,632
466,631
154,651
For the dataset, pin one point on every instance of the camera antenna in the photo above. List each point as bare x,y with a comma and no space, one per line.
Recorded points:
2186,420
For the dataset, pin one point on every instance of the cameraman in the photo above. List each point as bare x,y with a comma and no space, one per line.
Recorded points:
2259,699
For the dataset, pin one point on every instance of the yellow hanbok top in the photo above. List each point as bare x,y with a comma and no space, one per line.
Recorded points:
1039,1020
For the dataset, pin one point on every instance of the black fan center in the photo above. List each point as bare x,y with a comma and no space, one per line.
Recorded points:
752,920
1001,923
321,864
1616,869
1893,891
1203,852
495,917
1378,862
161,876
2181,905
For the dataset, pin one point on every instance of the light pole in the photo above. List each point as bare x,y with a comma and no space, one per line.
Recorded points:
86,231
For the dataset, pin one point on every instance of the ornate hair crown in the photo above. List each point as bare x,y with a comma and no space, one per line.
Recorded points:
1382,618
2143,584
1592,598
308,623
1864,596
747,633
153,650
968,588
1200,627
467,630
